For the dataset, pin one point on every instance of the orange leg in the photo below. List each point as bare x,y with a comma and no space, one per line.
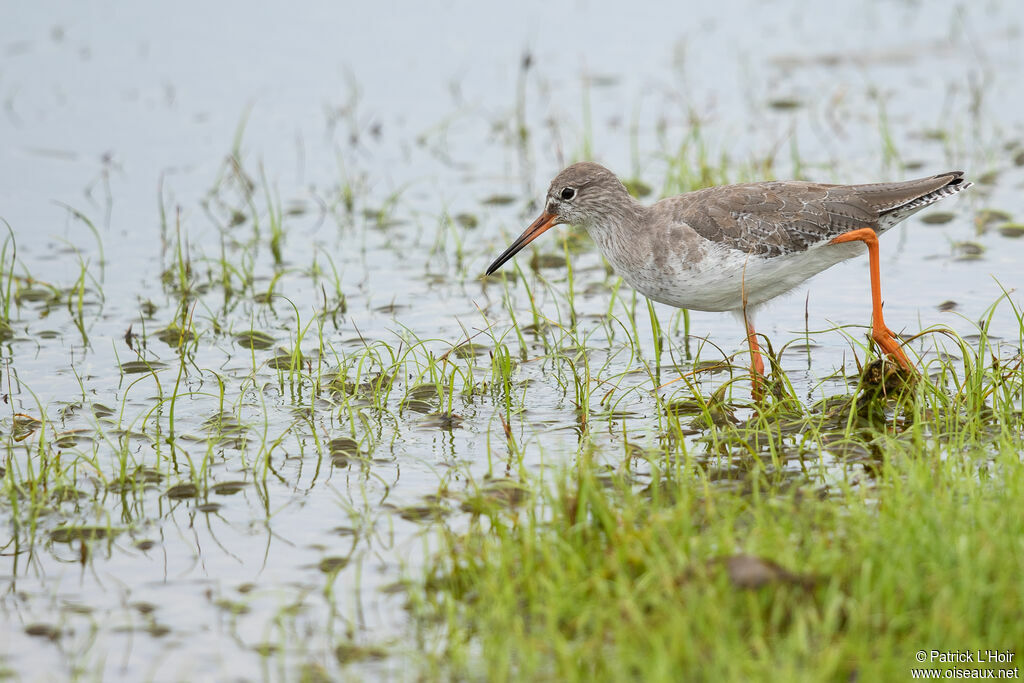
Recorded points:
756,364
882,335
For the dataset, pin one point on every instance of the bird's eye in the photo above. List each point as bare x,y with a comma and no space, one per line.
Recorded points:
568,193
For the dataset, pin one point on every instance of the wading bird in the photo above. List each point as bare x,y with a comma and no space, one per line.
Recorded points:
734,247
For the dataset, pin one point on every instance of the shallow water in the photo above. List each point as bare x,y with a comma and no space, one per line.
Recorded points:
374,145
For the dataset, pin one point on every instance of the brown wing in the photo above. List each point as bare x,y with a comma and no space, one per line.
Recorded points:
775,218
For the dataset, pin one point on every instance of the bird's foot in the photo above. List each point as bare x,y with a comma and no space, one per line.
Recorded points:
886,340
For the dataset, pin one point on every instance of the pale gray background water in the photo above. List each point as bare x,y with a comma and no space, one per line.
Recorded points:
135,93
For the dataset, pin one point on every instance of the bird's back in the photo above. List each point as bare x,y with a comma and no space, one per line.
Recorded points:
771,219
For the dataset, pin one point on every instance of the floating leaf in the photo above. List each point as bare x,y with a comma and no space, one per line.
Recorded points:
344,449
1012,230
147,475
228,488
64,494
469,350
43,631
467,220
422,392
968,251
232,606
185,490
988,178
330,565
416,406
343,445
541,261
157,630
509,274
285,361
342,386
137,367
350,652
100,410
988,216
24,426
442,421
390,309
684,407
785,103
254,339
800,348
224,424
419,513
35,294
499,200
68,534
710,367
69,439
498,493
602,80
143,607
938,217
174,336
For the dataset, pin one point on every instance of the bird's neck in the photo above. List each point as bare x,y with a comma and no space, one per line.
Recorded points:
617,224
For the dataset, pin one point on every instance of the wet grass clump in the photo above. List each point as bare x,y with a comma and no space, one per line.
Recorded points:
838,577
606,583
777,539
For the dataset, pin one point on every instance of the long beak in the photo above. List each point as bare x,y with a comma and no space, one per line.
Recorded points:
538,227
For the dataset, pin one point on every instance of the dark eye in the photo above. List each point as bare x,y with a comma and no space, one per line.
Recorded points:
568,193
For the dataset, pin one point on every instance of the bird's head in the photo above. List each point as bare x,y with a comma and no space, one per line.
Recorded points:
580,195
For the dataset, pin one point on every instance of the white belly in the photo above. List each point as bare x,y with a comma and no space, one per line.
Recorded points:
720,279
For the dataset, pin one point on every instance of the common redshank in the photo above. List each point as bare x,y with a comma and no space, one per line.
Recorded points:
734,247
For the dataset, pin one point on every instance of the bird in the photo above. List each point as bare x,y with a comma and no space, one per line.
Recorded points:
735,247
